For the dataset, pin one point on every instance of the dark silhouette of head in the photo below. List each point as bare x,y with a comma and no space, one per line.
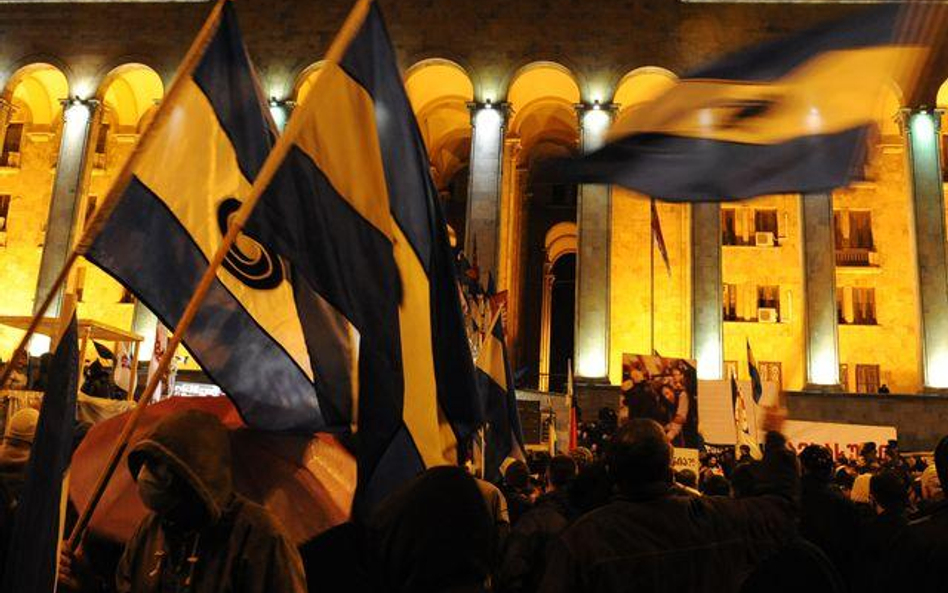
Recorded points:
716,486
517,475
941,462
817,462
888,491
561,471
639,456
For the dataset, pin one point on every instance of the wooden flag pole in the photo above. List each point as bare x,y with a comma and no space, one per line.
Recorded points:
350,27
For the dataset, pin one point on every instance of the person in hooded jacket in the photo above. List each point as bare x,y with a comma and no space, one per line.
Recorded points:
201,536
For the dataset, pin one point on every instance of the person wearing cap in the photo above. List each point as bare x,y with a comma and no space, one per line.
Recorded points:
14,458
15,451
201,536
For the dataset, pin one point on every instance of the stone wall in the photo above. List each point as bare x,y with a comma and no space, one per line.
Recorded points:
920,420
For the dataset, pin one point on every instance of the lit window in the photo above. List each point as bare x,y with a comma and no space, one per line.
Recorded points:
730,302
768,303
864,306
12,144
765,221
729,227
867,378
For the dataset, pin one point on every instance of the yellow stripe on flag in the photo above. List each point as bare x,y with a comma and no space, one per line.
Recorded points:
420,409
337,130
834,92
191,165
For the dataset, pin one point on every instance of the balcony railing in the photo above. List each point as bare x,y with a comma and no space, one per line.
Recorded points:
855,257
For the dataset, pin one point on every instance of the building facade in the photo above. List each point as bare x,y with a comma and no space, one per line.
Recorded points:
847,291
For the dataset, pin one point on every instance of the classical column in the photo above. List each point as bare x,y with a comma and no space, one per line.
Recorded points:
64,203
707,334
483,201
819,282
6,112
594,224
922,134
281,110
546,312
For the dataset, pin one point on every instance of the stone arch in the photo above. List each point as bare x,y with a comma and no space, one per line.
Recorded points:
640,86
35,92
306,80
543,97
129,92
440,90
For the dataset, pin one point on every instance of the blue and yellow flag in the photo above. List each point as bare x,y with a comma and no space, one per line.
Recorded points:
257,334
754,373
347,200
503,435
787,116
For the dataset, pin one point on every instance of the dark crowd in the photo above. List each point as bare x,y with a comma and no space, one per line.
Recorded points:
611,516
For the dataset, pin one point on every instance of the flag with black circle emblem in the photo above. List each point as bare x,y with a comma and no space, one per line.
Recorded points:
258,333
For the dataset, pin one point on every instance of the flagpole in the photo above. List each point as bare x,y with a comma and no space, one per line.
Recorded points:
269,169
190,312
651,214
118,186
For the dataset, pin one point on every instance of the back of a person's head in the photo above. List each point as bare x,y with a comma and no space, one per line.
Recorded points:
716,486
930,484
687,477
517,475
434,533
639,455
816,461
888,490
744,479
561,471
941,462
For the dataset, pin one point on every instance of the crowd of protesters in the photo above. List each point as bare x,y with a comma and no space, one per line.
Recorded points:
611,515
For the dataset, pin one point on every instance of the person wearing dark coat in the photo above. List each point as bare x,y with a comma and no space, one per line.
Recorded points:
516,490
651,539
201,536
917,558
433,535
828,518
890,501
525,554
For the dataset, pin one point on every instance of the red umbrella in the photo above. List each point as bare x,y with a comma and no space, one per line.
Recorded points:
307,483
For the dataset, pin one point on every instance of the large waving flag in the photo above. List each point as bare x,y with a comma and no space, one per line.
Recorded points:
347,199
503,435
787,116
31,561
258,334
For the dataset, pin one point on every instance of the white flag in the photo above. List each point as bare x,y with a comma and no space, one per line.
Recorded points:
161,344
123,367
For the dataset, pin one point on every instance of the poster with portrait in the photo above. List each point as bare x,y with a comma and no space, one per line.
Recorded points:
665,390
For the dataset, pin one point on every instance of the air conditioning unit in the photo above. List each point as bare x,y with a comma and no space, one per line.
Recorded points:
765,315
764,239
873,258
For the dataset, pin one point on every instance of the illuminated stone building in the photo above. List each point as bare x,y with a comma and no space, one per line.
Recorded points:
845,291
